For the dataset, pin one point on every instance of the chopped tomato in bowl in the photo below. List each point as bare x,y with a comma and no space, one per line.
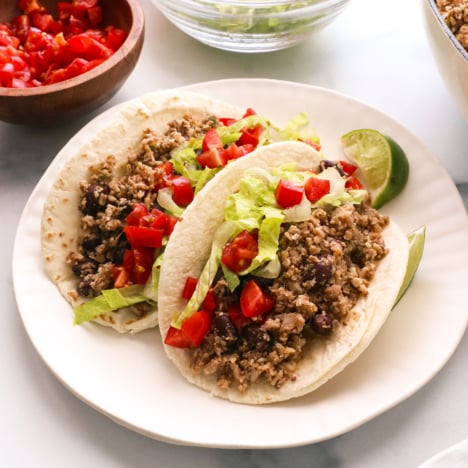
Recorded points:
38,48
63,58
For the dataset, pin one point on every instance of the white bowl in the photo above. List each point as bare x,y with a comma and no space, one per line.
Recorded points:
451,58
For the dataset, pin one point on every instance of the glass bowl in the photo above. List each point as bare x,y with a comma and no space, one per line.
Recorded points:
250,26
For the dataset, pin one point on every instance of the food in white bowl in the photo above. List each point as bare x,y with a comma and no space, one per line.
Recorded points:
447,46
455,14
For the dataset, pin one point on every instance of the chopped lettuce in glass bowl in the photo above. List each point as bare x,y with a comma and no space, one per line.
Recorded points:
249,25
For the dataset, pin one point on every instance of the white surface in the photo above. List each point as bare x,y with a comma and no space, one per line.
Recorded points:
455,456
377,52
363,391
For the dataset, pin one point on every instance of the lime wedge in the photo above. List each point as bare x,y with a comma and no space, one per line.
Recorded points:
383,164
416,241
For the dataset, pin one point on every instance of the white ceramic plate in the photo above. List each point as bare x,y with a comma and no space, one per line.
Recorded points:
128,378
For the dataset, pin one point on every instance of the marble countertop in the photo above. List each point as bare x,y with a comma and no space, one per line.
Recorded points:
376,52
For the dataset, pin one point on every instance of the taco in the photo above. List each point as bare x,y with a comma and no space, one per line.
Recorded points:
279,276
114,204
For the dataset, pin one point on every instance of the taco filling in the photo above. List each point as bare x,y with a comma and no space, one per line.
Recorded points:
128,211
295,253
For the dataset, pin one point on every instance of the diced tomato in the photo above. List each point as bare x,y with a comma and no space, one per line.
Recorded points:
237,317
209,303
288,194
20,26
249,111
315,188
237,254
353,183
135,216
171,222
348,168
78,66
142,236
64,10
182,190
37,40
226,121
120,276
143,262
114,37
196,327
212,158
189,287
7,71
56,49
137,264
154,219
177,338
46,23
254,301
191,333
250,136
211,140
87,47
128,260
234,151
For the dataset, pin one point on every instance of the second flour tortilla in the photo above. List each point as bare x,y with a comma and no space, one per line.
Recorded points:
189,247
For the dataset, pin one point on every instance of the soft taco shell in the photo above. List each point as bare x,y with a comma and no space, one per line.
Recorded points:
189,248
61,230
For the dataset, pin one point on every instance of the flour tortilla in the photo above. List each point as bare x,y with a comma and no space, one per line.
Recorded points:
188,250
61,229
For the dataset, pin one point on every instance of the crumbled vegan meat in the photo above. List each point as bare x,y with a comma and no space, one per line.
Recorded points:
455,14
110,193
327,263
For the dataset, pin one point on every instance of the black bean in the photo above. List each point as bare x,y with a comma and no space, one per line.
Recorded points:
91,197
322,271
224,327
84,288
322,323
91,204
89,243
326,163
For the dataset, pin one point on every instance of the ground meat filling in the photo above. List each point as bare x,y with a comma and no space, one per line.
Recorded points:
109,194
455,14
327,263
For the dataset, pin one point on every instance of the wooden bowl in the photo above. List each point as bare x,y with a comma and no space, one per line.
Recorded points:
43,105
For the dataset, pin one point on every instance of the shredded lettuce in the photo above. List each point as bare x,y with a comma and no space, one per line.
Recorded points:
109,300
253,207
166,201
338,194
221,236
